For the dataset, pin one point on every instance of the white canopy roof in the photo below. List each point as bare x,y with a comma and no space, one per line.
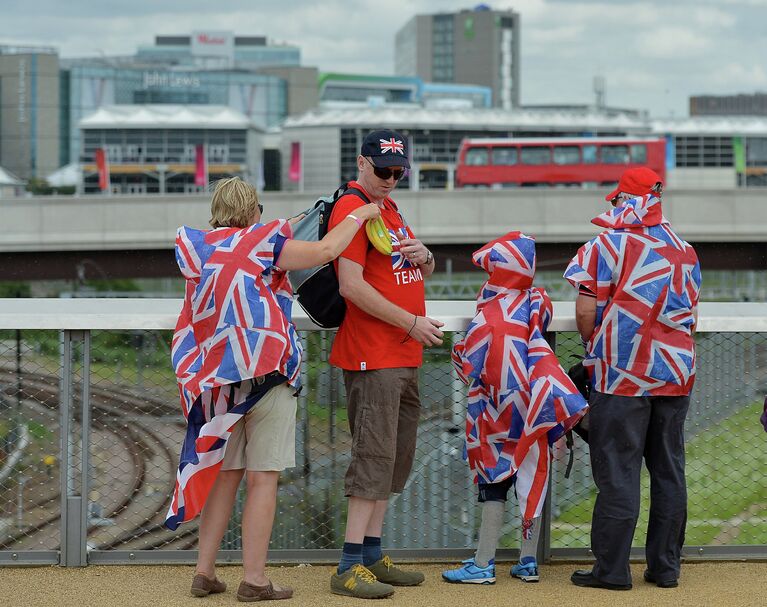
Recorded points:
713,125
168,116
70,174
462,118
572,120
8,178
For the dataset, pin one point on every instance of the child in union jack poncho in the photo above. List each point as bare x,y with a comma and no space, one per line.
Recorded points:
237,357
520,402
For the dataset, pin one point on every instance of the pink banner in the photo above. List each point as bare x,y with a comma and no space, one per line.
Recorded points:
201,166
294,174
102,165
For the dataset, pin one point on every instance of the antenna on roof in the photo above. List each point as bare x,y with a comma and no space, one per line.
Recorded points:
599,92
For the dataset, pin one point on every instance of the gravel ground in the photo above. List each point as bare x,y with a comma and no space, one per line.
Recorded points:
730,584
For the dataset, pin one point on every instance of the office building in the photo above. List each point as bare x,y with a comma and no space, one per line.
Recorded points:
479,46
29,110
261,98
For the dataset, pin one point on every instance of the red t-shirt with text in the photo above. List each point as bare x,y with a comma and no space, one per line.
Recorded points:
363,341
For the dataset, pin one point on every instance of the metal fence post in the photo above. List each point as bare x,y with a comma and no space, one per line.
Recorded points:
74,490
544,541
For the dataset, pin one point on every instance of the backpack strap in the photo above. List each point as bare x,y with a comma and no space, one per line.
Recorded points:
355,192
570,447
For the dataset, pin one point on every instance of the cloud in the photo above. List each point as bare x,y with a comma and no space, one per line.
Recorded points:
672,43
653,53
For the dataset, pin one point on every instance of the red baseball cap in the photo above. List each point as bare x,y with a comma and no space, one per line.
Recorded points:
639,181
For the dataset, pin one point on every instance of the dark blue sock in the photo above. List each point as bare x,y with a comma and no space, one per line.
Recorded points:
351,555
371,550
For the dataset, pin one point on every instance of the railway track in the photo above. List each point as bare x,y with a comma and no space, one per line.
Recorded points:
140,473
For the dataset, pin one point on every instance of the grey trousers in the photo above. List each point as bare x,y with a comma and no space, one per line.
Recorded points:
622,431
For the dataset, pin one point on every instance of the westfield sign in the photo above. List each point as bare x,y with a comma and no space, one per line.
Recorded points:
206,39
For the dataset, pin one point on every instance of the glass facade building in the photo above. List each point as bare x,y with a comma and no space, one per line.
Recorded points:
262,98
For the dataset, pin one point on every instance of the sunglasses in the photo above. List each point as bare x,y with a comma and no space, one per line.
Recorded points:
386,173
260,208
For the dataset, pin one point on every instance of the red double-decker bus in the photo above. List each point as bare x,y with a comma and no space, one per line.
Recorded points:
561,161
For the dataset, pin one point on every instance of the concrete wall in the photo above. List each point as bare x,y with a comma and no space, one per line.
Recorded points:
709,177
321,159
551,216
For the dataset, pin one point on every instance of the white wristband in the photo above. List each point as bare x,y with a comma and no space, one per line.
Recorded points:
355,218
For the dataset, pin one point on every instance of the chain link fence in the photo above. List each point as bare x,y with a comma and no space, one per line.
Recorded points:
113,482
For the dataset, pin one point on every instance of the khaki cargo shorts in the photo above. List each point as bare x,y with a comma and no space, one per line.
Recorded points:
265,438
384,408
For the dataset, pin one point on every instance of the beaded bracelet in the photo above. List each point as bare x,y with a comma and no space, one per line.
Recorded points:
415,320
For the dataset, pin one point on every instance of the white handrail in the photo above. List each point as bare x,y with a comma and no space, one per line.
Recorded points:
150,314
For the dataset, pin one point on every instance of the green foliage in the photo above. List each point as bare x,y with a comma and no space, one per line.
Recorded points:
725,478
38,430
123,285
15,289
40,187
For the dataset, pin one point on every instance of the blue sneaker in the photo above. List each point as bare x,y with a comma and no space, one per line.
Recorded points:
471,574
526,571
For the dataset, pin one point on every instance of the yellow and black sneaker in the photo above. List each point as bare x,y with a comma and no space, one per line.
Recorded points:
359,582
386,572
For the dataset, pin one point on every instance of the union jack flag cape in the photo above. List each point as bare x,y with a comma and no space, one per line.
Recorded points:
520,399
235,325
646,280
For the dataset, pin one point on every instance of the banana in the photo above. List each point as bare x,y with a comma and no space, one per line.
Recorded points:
379,236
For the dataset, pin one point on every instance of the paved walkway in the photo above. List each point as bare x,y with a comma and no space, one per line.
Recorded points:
702,584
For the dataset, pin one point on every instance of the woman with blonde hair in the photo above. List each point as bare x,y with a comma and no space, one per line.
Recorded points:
237,358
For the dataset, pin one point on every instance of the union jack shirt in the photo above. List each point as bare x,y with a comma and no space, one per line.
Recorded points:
646,280
520,399
235,325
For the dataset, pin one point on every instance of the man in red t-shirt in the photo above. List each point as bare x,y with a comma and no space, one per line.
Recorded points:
379,347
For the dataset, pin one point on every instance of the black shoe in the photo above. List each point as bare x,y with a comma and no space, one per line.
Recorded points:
650,579
584,578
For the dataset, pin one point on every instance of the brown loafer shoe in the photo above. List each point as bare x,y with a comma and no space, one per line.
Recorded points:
250,592
203,586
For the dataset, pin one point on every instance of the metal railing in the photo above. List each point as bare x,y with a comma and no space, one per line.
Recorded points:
90,430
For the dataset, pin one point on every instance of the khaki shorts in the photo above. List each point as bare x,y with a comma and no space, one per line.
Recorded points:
265,438
384,408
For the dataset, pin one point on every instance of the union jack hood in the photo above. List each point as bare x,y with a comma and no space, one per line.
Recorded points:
646,280
235,325
520,399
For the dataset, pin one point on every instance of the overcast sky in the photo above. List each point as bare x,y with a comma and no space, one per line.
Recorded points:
653,54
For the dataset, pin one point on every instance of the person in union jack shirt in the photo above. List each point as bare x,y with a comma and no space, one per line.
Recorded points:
638,284
520,402
237,358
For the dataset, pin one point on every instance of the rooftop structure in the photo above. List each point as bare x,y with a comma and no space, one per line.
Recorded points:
218,50
754,104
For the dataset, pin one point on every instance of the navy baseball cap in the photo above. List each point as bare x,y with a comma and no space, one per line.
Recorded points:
386,148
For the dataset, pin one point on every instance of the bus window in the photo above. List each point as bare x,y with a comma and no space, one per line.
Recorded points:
504,156
589,154
615,154
476,157
638,153
536,155
566,154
